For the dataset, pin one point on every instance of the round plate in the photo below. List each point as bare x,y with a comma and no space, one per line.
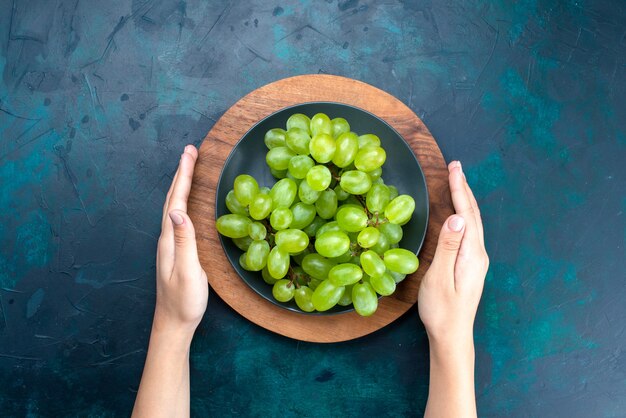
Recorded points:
218,144
401,169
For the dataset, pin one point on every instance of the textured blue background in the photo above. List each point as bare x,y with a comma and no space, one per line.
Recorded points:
98,98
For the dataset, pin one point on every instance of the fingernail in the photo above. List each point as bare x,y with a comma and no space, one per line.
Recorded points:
460,166
187,148
176,218
456,223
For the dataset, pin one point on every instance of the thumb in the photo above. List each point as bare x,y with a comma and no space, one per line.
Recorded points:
449,242
185,249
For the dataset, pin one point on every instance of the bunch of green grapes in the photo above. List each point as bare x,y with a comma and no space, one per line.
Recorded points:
327,232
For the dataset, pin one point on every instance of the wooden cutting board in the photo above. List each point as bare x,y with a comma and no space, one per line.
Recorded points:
213,153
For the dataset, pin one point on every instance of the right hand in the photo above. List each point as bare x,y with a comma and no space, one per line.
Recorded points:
451,289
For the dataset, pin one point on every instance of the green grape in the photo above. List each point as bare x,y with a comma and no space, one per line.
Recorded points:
364,299
356,260
401,261
303,215
243,243
233,226
343,258
267,278
283,193
400,209
257,231
281,218
393,232
245,188
300,256
322,148
299,275
320,124
312,228
381,245
291,177
332,243
319,178
326,204
242,261
298,120
275,138
278,263
397,277
393,192
260,207
303,297
283,290
352,200
298,141
300,165
346,299
370,158
394,245
279,174
355,182
368,139
351,219
372,264
377,198
314,283
307,194
341,193
326,295
368,237
256,256
264,190
278,158
317,266
376,174
292,240
233,205
384,285
347,146
339,126
327,227
345,274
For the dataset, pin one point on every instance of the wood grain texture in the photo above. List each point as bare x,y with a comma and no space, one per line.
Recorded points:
216,148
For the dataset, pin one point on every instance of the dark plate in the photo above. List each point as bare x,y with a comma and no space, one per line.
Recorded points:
401,170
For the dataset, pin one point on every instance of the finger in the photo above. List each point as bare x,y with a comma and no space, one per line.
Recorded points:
167,197
461,201
477,216
185,249
448,245
182,186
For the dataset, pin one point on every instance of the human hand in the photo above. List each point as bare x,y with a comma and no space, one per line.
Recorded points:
451,289
182,287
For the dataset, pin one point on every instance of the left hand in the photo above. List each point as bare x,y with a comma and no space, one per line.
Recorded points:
182,286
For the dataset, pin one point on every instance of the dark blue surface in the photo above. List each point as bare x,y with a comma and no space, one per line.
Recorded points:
99,98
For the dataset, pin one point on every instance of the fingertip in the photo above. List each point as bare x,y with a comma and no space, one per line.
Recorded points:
191,150
454,164
177,217
456,223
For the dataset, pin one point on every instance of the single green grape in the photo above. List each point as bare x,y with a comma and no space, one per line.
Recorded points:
307,194
257,230
242,261
381,245
281,218
351,219
368,237
243,243
283,290
320,124
303,297
393,232
376,174
364,299
298,141
279,174
355,182
327,227
297,258
400,209
401,261
267,277
372,264
319,178
345,274
397,277
339,126
317,266
326,204
233,226
370,158
314,283
346,299
332,243
256,256
368,139
347,146
326,295
275,138
384,285
245,188
312,228
300,165
377,198
283,193
260,207
303,215
298,120
233,205
278,158
393,192
292,240
278,263
341,193
343,258
322,148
